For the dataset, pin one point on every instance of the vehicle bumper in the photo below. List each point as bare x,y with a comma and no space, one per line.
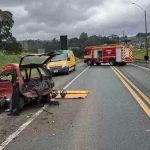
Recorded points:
59,70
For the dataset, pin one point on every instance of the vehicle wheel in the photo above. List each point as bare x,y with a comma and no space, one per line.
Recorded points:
92,63
112,62
121,64
68,72
88,62
46,98
74,69
98,64
2,105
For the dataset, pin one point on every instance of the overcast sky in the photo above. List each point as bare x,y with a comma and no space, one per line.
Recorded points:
48,19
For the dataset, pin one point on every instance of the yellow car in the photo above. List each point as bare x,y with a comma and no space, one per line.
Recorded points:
62,63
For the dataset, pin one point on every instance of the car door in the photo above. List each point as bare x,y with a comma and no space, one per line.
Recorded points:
73,60
69,61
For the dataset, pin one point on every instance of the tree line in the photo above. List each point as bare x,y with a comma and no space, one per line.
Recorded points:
8,43
77,44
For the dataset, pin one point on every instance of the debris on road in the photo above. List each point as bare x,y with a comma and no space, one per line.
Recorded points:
66,94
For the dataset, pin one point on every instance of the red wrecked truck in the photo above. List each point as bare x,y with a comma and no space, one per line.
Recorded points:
33,79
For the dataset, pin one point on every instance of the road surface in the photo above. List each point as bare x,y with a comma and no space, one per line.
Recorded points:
114,116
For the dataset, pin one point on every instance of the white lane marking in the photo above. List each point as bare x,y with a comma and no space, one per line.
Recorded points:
21,128
75,78
141,67
24,125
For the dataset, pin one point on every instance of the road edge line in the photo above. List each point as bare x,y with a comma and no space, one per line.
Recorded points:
133,85
32,118
140,67
137,98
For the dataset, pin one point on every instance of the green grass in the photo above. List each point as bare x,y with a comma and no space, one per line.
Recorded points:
78,60
139,53
5,59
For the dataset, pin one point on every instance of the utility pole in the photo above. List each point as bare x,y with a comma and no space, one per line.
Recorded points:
146,40
146,34
123,37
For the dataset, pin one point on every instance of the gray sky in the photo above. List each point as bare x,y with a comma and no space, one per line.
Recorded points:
48,19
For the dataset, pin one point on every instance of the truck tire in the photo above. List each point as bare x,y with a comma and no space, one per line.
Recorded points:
88,62
122,64
74,69
98,64
112,62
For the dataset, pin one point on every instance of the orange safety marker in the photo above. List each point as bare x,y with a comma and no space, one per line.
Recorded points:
72,96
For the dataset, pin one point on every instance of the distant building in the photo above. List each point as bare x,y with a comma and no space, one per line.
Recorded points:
113,37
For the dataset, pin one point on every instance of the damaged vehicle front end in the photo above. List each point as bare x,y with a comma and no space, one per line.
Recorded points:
33,79
5,89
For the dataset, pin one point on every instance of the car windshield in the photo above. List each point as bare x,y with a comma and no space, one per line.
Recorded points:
34,60
59,58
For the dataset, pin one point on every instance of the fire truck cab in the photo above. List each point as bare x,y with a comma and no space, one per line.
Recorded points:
113,54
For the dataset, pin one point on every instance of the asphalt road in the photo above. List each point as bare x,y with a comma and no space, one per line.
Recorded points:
139,76
108,119
142,64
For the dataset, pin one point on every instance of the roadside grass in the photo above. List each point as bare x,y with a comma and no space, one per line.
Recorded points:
138,54
5,59
78,60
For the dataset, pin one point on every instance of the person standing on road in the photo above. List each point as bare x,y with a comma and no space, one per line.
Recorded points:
146,58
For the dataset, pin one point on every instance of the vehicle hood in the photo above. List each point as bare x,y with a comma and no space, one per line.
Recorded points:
56,63
36,60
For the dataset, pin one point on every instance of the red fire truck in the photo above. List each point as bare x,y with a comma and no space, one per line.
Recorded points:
114,54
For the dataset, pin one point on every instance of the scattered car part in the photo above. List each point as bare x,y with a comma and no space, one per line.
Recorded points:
72,94
63,93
